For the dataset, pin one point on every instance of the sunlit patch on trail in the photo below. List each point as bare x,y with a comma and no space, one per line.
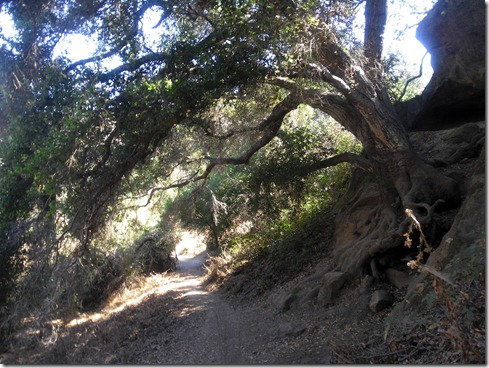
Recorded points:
142,288
194,292
191,244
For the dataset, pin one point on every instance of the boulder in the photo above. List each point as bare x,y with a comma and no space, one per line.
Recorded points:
311,294
331,284
397,278
303,294
380,300
286,303
454,34
365,284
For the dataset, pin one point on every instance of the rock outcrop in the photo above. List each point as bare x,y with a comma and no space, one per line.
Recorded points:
463,248
453,32
331,284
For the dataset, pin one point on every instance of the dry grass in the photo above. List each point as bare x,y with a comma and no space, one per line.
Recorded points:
135,307
108,335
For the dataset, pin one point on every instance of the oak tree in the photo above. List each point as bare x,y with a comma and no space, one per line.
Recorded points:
75,132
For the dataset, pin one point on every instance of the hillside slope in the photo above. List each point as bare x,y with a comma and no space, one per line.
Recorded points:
175,319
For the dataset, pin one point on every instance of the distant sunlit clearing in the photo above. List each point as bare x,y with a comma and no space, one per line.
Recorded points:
191,244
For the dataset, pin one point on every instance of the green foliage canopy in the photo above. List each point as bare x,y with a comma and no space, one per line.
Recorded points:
78,137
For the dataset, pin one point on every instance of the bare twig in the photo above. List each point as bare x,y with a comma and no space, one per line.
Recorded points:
412,78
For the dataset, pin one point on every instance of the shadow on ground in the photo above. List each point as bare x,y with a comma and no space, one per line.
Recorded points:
124,328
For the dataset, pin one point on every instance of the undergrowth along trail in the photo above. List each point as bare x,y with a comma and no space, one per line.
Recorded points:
160,319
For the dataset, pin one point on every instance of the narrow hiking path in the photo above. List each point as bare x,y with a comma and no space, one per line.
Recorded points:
210,332
219,340
172,319
218,331
213,331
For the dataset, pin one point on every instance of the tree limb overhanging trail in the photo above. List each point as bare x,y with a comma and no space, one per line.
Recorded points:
87,137
359,104
270,126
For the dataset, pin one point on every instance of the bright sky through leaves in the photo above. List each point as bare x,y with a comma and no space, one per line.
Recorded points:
402,18
400,34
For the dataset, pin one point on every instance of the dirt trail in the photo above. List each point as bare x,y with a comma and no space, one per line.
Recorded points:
172,319
219,339
214,336
220,331
215,332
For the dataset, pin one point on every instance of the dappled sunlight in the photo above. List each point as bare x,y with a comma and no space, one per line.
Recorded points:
156,284
185,281
194,292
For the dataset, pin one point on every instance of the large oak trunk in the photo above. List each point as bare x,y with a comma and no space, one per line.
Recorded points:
372,219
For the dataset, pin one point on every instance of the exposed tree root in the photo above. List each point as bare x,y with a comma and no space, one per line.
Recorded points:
365,227
430,209
368,225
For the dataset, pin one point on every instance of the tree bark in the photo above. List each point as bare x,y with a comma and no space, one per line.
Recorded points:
372,221
375,20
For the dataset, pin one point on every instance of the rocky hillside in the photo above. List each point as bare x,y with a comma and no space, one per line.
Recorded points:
454,35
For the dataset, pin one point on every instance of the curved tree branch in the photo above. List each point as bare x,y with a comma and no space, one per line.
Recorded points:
179,184
351,158
213,38
412,78
91,60
270,126
335,105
